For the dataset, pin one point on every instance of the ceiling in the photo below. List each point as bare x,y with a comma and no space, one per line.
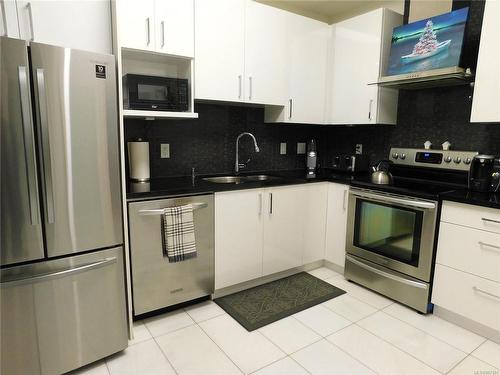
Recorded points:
331,11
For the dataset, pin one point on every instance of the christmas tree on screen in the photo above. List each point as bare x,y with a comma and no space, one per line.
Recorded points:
428,40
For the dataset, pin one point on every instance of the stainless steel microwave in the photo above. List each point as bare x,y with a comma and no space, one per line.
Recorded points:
155,93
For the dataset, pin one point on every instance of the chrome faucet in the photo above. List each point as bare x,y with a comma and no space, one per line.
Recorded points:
237,164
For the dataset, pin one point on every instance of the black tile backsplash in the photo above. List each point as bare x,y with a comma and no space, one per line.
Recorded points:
208,143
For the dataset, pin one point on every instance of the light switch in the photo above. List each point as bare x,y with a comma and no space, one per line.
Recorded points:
301,148
283,148
165,150
359,148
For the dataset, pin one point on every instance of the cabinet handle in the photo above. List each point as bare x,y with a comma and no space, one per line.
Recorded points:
239,86
260,204
344,205
488,245
4,18
271,203
250,88
370,109
290,101
30,14
490,220
162,34
148,31
478,290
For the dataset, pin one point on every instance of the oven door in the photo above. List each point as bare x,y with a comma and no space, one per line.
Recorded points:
393,231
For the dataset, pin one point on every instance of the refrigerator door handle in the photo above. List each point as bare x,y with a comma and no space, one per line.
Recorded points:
45,149
59,274
29,144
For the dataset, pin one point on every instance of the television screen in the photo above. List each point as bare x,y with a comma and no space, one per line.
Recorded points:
431,43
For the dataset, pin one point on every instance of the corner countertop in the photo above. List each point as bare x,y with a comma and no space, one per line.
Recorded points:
491,200
172,186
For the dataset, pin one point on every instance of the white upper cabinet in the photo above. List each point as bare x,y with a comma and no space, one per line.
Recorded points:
306,50
358,55
77,24
240,52
165,26
219,49
265,54
485,106
8,19
136,24
174,27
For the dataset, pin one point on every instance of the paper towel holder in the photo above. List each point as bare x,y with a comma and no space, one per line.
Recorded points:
138,160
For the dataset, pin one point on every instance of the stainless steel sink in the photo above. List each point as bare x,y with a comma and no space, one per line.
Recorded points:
262,177
240,179
225,179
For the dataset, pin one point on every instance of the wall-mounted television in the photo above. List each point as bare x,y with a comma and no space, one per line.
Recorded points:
431,43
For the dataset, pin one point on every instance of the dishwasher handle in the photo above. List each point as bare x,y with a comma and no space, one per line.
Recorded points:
160,211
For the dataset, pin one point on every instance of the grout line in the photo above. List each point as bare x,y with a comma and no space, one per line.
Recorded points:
357,360
220,348
293,359
403,350
430,334
165,355
480,359
451,369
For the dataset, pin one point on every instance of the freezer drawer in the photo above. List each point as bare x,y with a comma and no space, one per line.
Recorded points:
156,283
59,315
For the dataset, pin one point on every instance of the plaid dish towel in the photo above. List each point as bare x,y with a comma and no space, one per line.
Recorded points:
177,227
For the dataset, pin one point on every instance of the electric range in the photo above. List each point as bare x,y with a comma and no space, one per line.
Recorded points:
392,229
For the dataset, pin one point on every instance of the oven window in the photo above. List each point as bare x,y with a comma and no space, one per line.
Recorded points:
391,231
151,92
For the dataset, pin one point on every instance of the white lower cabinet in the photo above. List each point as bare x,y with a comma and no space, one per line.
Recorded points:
259,232
467,274
238,236
336,223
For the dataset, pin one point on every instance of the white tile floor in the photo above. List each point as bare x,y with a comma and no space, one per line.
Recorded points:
357,333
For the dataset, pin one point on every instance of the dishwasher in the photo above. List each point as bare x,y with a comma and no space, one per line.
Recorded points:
156,283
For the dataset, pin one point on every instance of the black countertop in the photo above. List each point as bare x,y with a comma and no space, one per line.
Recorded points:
171,186
491,200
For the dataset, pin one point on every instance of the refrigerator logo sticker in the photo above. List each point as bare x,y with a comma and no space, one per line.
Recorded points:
100,71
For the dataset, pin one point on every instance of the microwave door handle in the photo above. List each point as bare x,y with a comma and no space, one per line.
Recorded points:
402,201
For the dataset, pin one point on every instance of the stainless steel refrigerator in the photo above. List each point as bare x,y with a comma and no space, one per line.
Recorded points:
62,275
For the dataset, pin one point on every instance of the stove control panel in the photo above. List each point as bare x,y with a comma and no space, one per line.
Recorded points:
457,160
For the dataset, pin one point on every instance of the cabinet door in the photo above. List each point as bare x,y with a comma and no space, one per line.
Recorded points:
136,24
265,54
76,24
174,27
238,237
8,19
336,223
355,62
307,49
315,205
219,49
283,228
485,106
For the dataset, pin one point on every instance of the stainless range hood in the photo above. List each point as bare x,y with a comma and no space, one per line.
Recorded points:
451,76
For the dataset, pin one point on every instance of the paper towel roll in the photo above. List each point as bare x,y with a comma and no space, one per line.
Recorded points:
138,160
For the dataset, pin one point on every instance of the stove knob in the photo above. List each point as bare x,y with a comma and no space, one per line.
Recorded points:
447,159
457,160
467,161
403,156
395,155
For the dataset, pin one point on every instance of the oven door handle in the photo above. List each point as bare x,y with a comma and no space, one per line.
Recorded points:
415,284
403,201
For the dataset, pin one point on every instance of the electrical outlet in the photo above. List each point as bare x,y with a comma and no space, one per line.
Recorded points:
165,150
283,148
359,148
301,148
